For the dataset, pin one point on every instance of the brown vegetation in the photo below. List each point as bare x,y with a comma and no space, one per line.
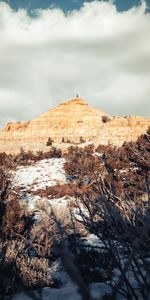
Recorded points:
119,214
9,161
49,142
105,119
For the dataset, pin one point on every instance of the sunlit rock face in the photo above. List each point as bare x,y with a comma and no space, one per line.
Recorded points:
66,124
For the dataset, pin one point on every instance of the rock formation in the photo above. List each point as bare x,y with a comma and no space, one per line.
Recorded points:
71,122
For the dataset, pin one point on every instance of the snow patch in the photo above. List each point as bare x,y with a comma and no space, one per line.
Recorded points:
68,292
42,174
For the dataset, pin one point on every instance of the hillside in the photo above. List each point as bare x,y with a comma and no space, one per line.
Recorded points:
72,122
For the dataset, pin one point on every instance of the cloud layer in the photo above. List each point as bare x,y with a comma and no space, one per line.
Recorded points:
97,52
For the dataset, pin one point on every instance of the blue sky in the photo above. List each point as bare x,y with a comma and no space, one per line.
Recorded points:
66,4
101,50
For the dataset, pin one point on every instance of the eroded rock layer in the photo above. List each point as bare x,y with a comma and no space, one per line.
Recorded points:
71,122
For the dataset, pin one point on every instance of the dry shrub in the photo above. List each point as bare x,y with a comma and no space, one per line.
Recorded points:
49,142
95,265
125,170
24,158
119,215
82,140
15,243
1,250
66,190
13,249
31,271
9,161
4,188
105,119
34,271
57,191
13,218
63,213
44,236
43,207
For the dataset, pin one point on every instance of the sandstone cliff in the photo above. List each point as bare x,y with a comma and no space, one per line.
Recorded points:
70,121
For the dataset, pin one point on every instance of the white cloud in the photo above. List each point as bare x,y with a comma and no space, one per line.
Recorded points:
98,52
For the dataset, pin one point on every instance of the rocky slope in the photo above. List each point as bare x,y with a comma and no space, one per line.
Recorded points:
66,124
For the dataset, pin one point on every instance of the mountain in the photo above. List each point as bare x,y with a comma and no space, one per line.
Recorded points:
71,122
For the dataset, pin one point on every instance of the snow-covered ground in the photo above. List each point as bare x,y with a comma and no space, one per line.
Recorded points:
42,174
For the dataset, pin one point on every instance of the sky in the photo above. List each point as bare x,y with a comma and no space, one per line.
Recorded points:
52,50
65,5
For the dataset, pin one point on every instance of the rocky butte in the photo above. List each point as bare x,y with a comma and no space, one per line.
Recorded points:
66,124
